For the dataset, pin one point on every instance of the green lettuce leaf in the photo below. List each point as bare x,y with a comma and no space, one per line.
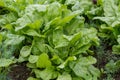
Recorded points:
13,39
82,67
5,62
111,13
43,61
33,58
46,74
64,76
58,39
25,51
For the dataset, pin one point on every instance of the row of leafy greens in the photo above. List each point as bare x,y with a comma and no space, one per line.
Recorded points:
110,30
54,37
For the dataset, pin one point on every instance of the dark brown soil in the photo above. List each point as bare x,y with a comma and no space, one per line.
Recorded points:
117,76
103,54
19,72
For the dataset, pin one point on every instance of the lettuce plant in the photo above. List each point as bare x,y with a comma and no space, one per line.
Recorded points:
52,39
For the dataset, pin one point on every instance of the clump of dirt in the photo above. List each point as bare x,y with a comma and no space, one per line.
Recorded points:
19,72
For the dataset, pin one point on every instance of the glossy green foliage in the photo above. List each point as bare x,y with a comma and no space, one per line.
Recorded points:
51,37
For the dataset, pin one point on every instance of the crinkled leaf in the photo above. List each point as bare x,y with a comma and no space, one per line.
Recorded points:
31,65
83,43
87,60
94,12
5,62
60,22
117,63
38,7
14,39
70,2
52,24
84,5
22,22
36,24
63,65
94,71
64,76
32,32
91,34
43,61
108,20
33,58
53,10
118,39
81,67
81,71
56,59
82,49
68,18
58,39
110,9
38,46
88,36
116,49
28,17
22,59
111,13
74,38
74,25
46,74
25,51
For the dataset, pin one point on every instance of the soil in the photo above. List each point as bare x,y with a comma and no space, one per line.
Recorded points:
103,55
117,76
19,72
